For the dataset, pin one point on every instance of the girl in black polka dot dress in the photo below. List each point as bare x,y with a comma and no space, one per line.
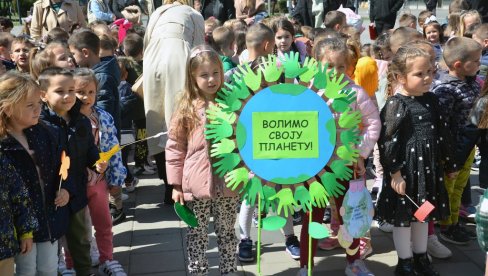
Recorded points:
413,145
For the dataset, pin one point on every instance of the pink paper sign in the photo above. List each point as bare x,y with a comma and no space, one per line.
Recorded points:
423,211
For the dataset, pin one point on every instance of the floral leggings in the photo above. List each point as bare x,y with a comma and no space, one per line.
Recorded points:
224,210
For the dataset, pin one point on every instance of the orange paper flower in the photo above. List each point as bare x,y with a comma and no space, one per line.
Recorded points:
65,163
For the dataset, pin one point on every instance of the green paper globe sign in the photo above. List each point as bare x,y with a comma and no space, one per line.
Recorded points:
186,214
272,140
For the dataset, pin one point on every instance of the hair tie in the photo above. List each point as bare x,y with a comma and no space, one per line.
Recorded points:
430,19
198,52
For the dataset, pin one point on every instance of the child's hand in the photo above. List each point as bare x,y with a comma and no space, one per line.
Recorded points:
178,195
25,246
102,167
398,183
359,167
453,175
62,198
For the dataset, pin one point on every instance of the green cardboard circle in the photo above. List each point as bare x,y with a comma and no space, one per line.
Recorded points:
273,223
186,214
317,231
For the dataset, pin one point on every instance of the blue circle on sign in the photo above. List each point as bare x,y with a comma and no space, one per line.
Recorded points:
286,98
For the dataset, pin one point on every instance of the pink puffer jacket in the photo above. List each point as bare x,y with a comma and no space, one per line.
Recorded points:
188,162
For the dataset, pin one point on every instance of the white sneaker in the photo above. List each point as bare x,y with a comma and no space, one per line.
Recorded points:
94,254
436,249
148,170
385,227
61,263
124,196
68,272
111,268
130,187
358,268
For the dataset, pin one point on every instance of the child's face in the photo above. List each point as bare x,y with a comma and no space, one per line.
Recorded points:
337,60
60,95
419,77
80,57
432,34
472,65
26,114
208,79
283,40
62,58
20,54
86,92
470,20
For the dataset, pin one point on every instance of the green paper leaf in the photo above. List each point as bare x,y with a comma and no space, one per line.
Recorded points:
267,202
351,136
303,197
270,68
252,189
239,88
318,231
311,65
252,80
224,146
334,86
216,111
291,65
229,99
286,201
241,135
288,89
186,214
227,163
342,104
347,153
331,185
236,177
341,170
273,223
320,79
318,195
331,129
350,119
218,130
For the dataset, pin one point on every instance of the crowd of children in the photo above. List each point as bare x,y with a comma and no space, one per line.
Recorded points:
421,94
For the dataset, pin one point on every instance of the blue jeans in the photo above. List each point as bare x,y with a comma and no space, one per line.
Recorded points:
43,260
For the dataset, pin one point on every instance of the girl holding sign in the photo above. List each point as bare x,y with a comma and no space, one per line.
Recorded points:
189,165
413,145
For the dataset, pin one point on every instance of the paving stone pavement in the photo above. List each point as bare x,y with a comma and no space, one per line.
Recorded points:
152,242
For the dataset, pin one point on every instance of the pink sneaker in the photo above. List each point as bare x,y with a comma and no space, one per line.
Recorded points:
329,243
365,248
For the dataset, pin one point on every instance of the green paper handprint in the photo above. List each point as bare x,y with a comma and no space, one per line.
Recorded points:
291,65
303,196
252,189
270,68
267,202
334,86
349,119
320,79
224,146
218,131
227,163
239,88
229,99
331,185
341,170
318,195
216,111
286,201
312,69
236,177
348,153
252,80
341,104
351,136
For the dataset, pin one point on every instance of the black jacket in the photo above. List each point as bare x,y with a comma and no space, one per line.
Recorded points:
44,142
383,9
303,13
223,10
77,138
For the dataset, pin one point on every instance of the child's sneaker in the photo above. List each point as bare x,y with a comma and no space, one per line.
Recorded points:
118,216
61,262
436,249
365,248
245,251
293,247
329,243
131,186
467,212
111,268
358,268
94,254
453,234
68,272
124,196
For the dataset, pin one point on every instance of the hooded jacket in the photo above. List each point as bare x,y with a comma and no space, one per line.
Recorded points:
77,138
107,72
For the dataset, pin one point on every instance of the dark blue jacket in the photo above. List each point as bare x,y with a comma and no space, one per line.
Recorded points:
484,65
16,209
77,138
53,223
131,106
108,99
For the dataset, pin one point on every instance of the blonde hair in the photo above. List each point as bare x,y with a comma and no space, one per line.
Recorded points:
14,88
186,115
41,59
463,15
182,2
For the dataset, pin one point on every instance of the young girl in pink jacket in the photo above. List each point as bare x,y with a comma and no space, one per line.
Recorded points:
333,51
189,166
